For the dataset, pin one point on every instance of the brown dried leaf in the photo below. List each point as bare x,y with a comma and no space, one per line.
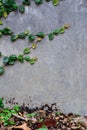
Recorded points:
50,122
75,127
82,120
42,111
23,126
34,120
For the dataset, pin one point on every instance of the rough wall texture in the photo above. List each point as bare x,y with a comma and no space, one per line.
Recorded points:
60,75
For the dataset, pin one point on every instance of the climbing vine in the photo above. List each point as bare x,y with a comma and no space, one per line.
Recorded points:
12,59
7,6
31,37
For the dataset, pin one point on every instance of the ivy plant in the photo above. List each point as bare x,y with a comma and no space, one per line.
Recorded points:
6,114
13,58
32,37
7,6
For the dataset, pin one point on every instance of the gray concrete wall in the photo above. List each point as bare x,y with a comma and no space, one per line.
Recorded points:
60,75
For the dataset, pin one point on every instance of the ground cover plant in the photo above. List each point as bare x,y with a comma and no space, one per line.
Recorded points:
46,117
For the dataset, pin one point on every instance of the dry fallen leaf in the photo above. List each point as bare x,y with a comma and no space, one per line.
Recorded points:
48,123
82,120
42,111
34,120
75,127
23,126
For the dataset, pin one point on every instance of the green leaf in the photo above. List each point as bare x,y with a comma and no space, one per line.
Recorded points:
40,34
12,123
42,129
2,114
14,38
0,54
20,58
5,60
58,113
6,117
16,108
11,62
5,111
22,35
13,111
31,37
55,2
26,51
1,23
2,105
9,114
15,6
56,32
61,30
38,2
6,123
13,57
41,120
26,2
21,8
30,115
27,58
32,61
34,45
10,32
1,102
26,32
7,31
51,36
5,14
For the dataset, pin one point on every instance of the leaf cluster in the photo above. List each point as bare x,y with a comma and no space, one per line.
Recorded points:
10,60
6,114
31,37
7,6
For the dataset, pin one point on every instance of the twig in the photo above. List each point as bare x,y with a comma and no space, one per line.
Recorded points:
22,118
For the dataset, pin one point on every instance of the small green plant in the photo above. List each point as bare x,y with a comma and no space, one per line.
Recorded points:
58,113
1,103
30,115
6,114
43,128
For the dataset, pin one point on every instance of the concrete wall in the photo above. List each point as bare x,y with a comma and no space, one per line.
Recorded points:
60,75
